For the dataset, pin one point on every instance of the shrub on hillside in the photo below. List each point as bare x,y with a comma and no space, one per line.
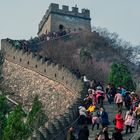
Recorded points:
88,53
121,76
78,54
19,125
4,109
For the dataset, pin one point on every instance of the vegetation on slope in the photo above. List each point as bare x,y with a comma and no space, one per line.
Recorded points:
15,124
121,76
90,53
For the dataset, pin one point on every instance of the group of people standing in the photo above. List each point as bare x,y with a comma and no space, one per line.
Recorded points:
92,112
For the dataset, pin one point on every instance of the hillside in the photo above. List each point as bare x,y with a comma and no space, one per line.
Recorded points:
39,70
89,53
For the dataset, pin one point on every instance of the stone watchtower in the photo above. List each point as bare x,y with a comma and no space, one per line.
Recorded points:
56,18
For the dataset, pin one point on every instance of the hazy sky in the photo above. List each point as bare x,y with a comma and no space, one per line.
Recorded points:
19,18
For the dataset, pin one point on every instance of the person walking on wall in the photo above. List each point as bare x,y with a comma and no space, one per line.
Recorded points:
129,120
100,95
70,135
117,135
83,133
127,100
119,121
119,100
104,117
109,93
95,118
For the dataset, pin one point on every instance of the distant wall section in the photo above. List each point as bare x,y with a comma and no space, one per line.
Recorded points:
61,109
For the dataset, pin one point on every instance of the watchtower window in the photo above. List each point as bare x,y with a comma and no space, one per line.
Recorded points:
61,27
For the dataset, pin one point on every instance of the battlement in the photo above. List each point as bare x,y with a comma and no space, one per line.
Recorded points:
42,66
64,11
52,71
85,13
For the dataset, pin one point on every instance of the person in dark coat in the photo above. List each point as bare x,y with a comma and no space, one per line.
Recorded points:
127,100
103,134
110,93
105,130
117,135
70,135
104,117
83,133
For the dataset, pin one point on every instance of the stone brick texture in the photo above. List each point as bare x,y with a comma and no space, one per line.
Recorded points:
25,84
26,76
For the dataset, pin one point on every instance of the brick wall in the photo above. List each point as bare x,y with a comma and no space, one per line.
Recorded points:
36,70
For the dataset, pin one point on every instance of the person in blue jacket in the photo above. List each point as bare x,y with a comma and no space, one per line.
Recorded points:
104,117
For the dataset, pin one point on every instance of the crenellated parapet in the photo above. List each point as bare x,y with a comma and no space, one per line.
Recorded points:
55,128
40,65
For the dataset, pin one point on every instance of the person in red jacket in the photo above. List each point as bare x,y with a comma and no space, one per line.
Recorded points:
100,95
119,121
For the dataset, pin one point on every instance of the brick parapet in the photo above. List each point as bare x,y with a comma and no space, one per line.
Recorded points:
46,68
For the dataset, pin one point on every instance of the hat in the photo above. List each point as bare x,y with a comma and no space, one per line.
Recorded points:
99,88
132,93
80,107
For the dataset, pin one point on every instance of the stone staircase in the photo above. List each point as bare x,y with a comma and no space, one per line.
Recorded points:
112,111
44,134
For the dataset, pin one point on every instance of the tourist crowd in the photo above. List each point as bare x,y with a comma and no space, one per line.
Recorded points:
19,44
92,109
93,114
28,45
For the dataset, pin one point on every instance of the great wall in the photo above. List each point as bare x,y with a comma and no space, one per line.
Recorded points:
60,92
30,68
